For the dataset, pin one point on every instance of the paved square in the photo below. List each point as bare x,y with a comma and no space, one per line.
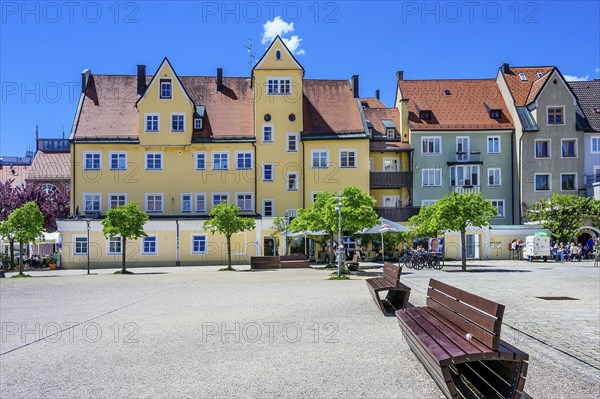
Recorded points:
197,332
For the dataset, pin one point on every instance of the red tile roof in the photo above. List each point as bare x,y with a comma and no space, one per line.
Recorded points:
588,97
372,102
330,108
389,146
17,173
466,107
525,91
377,115
50,166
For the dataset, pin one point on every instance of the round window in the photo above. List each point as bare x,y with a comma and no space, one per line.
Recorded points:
267,117
292,117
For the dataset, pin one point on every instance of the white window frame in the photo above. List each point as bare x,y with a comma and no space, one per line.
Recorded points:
272,166
500,215
564,115
575,181
392,131
523,77
191,202
108,242
110,195
143,246
499,183
87,245
160,82
86,153
192,236
396,198
434,170
118,153
272,201
397,159
430,154
592,139
85,210
428,202
162,202
279,80
238,153
549,148
287,181
198,123
196,196
214,153
348,151
371,164
287,142
272,133
535,175
162,160
212,198
196,155
251,201
320,152
173,114
575,147
499,138
465,176
157,122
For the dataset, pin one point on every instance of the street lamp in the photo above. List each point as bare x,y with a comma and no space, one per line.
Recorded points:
287,222
87,222
340,248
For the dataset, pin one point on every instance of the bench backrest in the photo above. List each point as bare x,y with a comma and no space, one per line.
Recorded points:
477,316
283,258
391,273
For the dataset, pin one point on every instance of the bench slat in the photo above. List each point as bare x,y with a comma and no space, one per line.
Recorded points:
438,353
493,308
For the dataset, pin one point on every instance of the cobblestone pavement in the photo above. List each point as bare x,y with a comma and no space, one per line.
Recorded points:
197,332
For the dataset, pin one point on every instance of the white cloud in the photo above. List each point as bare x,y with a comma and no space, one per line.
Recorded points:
278,27
574,78
597,70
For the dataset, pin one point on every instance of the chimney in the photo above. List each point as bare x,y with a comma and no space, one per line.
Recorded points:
141,79
219,79
505,68
37,137
400,75
85,77
377,94
355,85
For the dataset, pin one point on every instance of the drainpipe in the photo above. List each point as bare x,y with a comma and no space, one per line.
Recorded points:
72,195
519,176
303,174
512,176
177,261
255,180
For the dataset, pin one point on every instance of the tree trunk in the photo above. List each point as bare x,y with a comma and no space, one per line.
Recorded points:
21,258
12,252
229,253
463,250
124,244
331,251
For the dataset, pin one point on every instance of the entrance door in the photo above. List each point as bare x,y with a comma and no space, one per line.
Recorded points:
472,246
391,165
269,246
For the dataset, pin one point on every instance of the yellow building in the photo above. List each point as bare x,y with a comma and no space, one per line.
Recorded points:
180,145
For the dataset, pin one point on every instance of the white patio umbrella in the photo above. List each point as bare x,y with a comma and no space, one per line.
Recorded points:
384,226
305,234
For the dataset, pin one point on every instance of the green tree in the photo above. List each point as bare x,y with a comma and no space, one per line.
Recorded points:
224,219
7,233
357,214
564,214
279,226
456,212
26,223
126,221
425,224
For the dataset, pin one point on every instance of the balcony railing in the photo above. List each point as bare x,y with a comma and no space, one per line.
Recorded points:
391,179
397,214
466,189
592,179
466,157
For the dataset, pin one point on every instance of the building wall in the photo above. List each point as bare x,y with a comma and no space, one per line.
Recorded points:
591,159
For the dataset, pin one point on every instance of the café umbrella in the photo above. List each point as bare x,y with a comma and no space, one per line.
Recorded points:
384,226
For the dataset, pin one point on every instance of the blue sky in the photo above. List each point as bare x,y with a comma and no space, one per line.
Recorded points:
45,45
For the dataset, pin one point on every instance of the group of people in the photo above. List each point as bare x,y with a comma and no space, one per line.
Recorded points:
516,249
570,251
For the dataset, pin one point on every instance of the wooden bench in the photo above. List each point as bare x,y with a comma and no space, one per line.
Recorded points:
291,261
264,262
353,264
397,293
457,339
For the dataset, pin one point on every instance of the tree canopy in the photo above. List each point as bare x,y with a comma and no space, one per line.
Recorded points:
127,222
564,214
224,219
26,224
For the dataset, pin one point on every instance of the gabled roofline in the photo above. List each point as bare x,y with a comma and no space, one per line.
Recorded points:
269,48
154,77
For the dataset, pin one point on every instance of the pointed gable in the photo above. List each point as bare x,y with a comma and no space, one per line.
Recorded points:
165,71
277,57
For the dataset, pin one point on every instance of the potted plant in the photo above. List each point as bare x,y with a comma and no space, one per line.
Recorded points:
52,259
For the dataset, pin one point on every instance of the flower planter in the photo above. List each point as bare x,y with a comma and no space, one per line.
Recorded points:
52,266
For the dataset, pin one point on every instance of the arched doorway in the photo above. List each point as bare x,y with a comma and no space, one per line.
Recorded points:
586,233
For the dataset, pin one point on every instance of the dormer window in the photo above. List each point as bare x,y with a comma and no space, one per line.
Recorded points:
447,92
166,91
371,132
540,74
495,113
425,115
391,133
523,77
197,124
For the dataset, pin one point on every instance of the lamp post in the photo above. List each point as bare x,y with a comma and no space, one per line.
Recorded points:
340,248
287,222
88,245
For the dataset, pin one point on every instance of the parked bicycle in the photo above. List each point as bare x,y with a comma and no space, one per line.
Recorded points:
419,259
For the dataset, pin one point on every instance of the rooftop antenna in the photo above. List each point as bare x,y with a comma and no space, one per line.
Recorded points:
251,54
63,136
